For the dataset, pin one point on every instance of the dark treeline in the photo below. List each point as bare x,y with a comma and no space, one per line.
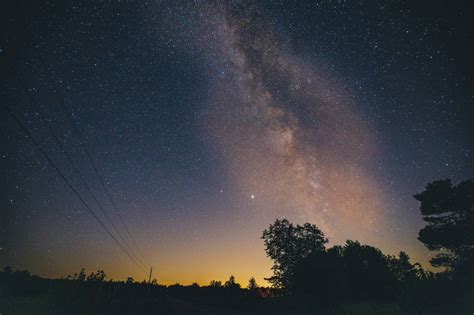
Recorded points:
315,275
308,276
92,293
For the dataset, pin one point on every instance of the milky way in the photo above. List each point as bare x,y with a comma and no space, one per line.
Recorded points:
288,132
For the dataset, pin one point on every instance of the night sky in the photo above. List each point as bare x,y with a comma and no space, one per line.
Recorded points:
206,121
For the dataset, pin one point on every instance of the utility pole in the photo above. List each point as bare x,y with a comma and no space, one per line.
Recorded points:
149,283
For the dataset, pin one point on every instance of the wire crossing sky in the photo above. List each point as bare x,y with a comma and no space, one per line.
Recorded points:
68,158
96,171
189,127
67,182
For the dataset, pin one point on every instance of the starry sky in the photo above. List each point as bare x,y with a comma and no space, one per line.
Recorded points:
195,124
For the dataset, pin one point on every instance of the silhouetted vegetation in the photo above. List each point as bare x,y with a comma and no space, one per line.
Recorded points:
287,244
252,284
22,293
308,277
449,212
353,272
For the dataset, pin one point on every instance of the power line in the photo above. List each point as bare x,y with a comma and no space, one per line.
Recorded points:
64,107
68,114
69,159
89,157
63,177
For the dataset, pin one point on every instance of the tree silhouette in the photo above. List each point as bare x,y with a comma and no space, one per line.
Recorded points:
252,284
401,267
215,284
99,276
82,275
344,272
367,270
449,212
231,284
287,244
321,275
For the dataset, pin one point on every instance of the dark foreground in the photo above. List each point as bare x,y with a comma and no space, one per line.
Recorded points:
21,293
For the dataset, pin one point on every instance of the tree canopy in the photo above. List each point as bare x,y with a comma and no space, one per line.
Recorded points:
449,212
349,271
287,244
252,284
231,283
